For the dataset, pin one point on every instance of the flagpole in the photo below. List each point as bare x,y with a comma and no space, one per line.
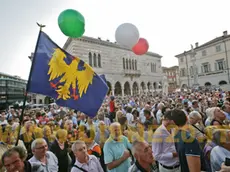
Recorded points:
28,84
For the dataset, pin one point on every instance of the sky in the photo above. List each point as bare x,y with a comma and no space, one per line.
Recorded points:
170,26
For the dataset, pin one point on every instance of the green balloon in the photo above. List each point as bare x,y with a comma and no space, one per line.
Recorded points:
71,23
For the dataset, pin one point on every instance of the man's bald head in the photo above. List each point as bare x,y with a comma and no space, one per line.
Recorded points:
115,130
115,124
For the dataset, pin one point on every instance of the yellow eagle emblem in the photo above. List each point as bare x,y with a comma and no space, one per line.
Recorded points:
73,75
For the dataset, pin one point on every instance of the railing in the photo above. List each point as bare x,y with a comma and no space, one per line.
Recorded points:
131,72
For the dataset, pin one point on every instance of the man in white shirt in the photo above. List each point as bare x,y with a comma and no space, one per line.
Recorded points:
47,160
3,120
163,146
51,113
129,116
84,162
159,112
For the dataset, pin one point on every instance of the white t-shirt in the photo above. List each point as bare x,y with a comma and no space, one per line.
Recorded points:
130,118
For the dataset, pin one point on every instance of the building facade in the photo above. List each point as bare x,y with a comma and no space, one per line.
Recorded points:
37,99
125,72
172,74
12,89
207,64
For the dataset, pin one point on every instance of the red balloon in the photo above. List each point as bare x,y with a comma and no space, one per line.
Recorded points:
141,47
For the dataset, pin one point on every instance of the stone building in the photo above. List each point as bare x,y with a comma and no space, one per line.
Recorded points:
12,89
172,74
125,72
207,64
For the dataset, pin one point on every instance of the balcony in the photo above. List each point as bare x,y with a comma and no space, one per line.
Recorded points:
129,72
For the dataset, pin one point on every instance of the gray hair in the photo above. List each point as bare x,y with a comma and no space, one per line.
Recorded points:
160,105
74,146
195,115
36,142
68,121
210,112
135,145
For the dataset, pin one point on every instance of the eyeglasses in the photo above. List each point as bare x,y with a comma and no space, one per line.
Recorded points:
42,147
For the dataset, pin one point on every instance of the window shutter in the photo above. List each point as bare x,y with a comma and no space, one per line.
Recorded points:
202,69
209,67
224,64
216,66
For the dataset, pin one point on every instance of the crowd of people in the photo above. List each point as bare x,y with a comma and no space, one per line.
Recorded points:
181,132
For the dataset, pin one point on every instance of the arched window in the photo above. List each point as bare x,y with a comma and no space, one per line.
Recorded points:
135,64
123,63
94,60
90,58
127,64
133,67
130,64
99,60
151,67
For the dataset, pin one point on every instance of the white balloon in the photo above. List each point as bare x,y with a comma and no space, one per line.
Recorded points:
127,35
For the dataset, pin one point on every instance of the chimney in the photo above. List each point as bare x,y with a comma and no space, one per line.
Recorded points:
225,33
197,44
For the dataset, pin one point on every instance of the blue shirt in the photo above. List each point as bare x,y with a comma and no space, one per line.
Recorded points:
186,145
217,157
113,150
74,119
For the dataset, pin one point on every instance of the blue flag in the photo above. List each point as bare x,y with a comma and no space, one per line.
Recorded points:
68,79
103,77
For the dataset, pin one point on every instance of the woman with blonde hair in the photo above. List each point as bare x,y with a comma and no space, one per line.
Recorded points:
119,114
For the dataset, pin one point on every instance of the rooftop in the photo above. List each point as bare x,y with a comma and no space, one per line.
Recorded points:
217,39
105,43
11,76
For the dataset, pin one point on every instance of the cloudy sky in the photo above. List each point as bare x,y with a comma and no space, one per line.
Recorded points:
170,26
